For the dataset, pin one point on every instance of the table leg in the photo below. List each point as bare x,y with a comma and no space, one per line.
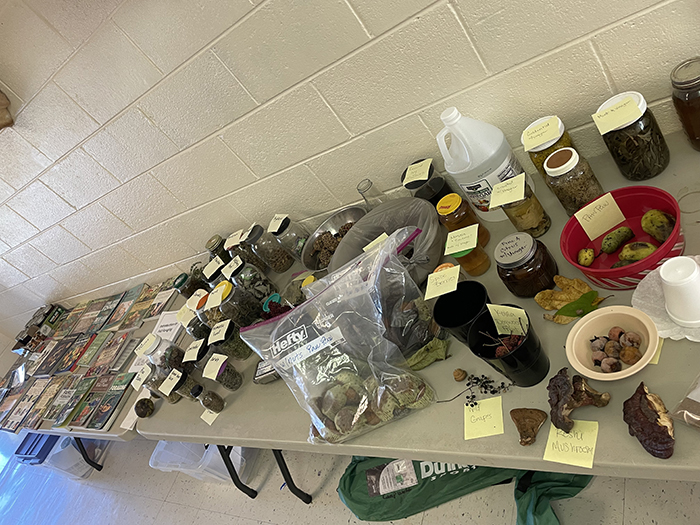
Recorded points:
83,452
303,496
226,456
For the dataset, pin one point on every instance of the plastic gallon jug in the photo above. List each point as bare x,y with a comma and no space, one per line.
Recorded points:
478,158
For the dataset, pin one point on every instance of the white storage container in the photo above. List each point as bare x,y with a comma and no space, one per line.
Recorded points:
66,458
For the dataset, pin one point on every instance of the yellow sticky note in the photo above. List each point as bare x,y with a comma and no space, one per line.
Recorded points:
218,333
417,171
167,386
193,350
462,239
508,191
233,240
442,282
214,365
185,315
383,237
209,417
232,266
599,216
141,377
276,222
213,265
485,419
575,448
541,133
624,112
655,359
508,319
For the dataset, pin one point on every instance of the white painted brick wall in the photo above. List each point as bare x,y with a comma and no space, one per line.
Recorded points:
145,126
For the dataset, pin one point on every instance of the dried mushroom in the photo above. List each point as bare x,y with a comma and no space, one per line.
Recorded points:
649,422
459,375
565,395
528,421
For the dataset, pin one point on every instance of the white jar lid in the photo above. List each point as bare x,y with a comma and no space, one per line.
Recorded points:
636,96
549,142
561,161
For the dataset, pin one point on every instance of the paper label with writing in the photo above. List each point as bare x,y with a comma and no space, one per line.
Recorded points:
417,171
621,114
233,240
383,237
209,417
511,190
541,133
246,234
600,216
142,375
193,351
334,337
657,354
276,222
211,370
575,448
167,386
194,299
185,315
442,282
232,266
484,419
213,265
508,319
218,333
145,343
215,298
462,239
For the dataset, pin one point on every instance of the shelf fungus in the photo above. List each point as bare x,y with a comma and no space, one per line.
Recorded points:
565,395
528,421
649,422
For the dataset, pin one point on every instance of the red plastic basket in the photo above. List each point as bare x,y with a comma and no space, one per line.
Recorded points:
634,202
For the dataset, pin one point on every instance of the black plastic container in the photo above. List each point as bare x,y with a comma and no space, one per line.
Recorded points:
456,311
434,189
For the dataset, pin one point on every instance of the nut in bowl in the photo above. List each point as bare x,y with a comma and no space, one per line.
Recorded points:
605,323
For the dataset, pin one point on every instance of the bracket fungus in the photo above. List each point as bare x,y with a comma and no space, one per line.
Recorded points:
649,422
528,421
565,395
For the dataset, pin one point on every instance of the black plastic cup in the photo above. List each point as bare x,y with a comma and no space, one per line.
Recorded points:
526,365
456,311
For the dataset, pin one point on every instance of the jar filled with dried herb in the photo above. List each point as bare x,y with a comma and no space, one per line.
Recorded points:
229,377
637,147
455,213
232,345
528,215
252,280
292,236
211,309
269,250
188,284
540,153
235,247
185,385
153,382
571,179
197,329
524,265
215,246
212,272
241,307
685,79
173,359
208,399
157,350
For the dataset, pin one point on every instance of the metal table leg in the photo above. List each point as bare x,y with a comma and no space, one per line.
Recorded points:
83,452
303,496
226,456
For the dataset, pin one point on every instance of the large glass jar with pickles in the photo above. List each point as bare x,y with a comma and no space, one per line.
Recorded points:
455,213
540,153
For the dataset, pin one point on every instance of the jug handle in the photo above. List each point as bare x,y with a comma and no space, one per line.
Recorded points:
442,145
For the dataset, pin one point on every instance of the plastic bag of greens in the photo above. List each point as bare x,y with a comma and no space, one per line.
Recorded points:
332,353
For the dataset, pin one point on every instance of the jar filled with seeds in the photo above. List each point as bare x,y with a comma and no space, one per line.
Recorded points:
527,214
571,179
185,385
268,249
208,399
250,279
292,236
240,306
232,345
215,246
540,153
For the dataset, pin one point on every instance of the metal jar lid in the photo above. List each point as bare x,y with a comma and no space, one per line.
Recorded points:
514,250
686,75
214,243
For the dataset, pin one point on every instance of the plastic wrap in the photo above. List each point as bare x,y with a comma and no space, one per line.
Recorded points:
688,410
332,353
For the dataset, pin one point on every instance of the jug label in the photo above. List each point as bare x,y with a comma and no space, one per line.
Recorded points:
479,191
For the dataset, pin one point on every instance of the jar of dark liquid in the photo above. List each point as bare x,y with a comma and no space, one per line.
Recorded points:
524,265
685,80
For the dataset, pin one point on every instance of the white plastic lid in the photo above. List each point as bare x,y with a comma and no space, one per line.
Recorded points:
450,116
148,345
549,142
636,96
562,161
514,250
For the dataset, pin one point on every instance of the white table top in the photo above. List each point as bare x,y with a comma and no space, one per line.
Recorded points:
267,416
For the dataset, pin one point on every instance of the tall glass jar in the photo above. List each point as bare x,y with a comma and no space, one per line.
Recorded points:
157,350
524,265
269,250
540,153
241,307
571,179
215,246
252,280
235,247
637,147
455,213
292,236
372,195
187,284
185,385
528,215
229,377
685,80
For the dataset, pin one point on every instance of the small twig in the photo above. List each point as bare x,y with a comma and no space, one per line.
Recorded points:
462,392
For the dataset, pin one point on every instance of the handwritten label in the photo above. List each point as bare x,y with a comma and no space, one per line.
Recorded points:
233,240
276,222
167,386
211,268
142,375
462,239
209,417
333,337
484,419
544,132
218,333
655,359
215,297
246,234
508,320
442,282
193,350
147,341
194,300
185,315
231,267
575,448
216,361
417,171
383,237
511,190
621,114
599,216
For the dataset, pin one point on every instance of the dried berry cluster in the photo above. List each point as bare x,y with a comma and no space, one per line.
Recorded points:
275,310
483,385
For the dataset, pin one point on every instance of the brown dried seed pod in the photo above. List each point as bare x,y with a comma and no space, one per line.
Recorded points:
630,355
612,348
459,375
615,333
631,339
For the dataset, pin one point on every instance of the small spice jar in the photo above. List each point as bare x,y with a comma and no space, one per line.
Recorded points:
185,385
240,306
229,377
153,382
234,247
637,147
475,261
540,153
208,399
292,236
524,265
685,79
455,213
250,279
527,214
215,246
269,250
232,345
571,179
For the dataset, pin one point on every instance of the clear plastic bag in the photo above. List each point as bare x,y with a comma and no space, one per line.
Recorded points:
332,353
688,410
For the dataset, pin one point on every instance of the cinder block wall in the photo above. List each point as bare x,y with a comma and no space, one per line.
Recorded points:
145,126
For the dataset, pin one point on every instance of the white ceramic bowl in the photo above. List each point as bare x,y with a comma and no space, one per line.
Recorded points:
598,323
